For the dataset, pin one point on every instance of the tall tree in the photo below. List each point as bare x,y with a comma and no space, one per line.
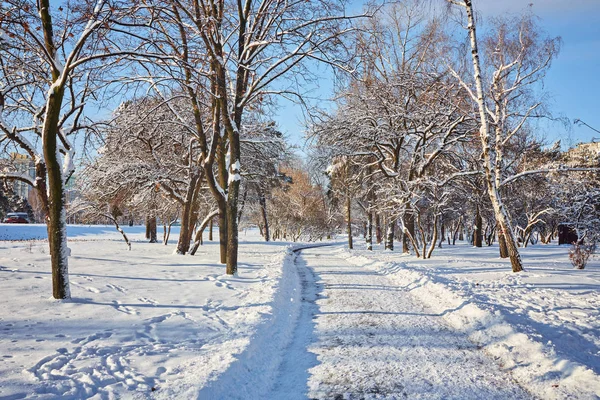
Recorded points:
517,58
47,58
249,45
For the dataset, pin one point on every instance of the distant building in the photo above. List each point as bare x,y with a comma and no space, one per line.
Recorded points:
588,153
22,163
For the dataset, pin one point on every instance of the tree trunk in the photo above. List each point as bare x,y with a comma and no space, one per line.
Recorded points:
349,218
232,200
502,244
434,237
389,235
198,239
147,227
422,233
513,252
478,234
41,188
263,211
369,237
409,224
151,228
56,221
168,234
120,230
378,235
413,242
232,229
187,211
223,234
484,134
527,236
210,230
56,224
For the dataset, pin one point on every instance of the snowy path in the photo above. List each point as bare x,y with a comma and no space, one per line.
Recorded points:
360,336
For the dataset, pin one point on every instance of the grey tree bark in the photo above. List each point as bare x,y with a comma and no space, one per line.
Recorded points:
263,211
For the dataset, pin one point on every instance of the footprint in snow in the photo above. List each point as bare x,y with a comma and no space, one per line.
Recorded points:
116,287
148,301
124,309
90,289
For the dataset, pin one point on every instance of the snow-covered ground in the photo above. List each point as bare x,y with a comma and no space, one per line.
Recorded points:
363,336
543,324
11,232
141,323
324,323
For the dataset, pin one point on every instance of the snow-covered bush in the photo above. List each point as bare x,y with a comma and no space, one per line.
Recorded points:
580,254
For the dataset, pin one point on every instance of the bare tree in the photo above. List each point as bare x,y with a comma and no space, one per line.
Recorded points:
516,60
46,80
248,46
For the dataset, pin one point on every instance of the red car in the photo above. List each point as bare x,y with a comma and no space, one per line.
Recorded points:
16,218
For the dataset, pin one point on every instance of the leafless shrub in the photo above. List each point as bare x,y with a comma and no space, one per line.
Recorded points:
580,254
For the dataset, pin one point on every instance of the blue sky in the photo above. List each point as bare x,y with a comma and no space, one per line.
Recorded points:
573,82
574,79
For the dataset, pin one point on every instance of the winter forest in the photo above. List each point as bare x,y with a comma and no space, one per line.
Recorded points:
423,234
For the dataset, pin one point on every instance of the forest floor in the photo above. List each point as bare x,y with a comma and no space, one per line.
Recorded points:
322,323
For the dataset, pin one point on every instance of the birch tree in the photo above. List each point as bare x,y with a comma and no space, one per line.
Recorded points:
502,89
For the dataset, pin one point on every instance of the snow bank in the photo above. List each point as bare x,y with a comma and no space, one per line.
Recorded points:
255,369
536,366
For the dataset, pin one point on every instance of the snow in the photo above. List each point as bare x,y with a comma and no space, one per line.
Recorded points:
234,175
234,178
541,324
68,165
373,340
141,323
324,323
74,232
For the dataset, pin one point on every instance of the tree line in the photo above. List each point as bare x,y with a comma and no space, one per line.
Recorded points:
430,123
436,134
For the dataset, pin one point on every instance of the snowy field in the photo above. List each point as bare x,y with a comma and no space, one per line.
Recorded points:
325,323
11,232
141,322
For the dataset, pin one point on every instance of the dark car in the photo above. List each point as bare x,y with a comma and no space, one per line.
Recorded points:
16,218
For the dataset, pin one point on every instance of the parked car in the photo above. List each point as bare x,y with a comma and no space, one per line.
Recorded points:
16,218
